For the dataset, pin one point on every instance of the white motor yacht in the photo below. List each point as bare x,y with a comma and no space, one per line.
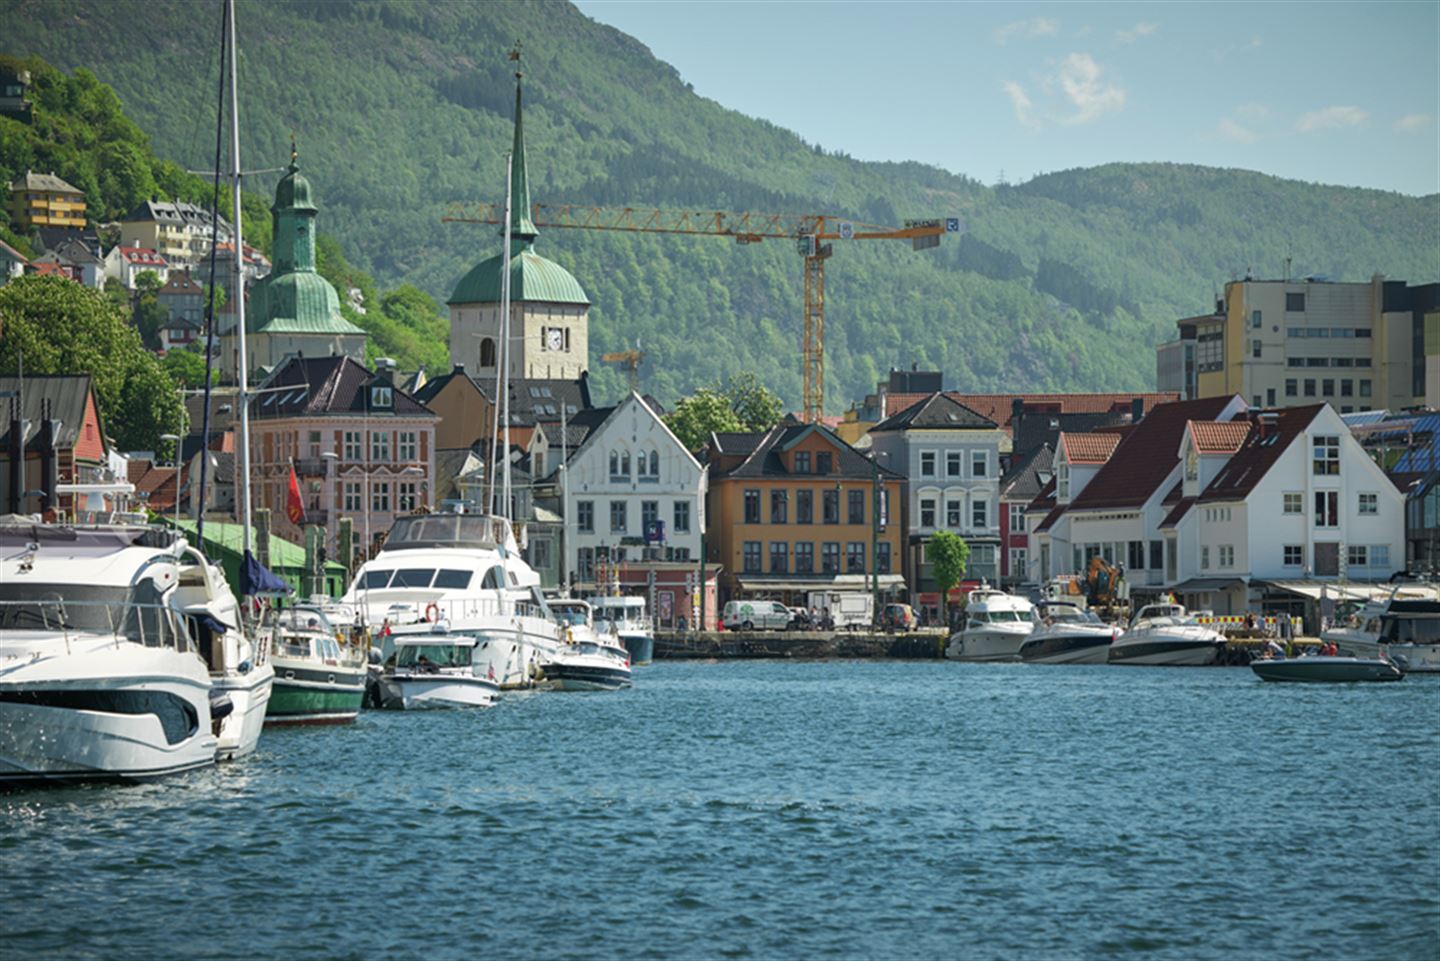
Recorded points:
1406,625
1169,635
625,617
1068,635
461,575
99,678
437,670
996,625
593,658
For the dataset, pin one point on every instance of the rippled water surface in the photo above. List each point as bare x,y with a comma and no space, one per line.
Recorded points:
762,809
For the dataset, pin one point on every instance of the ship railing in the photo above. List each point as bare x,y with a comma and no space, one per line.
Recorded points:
149,625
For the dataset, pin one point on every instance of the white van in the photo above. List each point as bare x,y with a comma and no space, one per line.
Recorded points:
846,608
756,616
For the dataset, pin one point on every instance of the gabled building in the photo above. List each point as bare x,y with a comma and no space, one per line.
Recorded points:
126,264
464,407
1019,486
12,263
44,200
53,439
77,260
794,509
184,303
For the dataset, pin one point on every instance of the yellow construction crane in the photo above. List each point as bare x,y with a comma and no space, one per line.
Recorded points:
811,233
630,360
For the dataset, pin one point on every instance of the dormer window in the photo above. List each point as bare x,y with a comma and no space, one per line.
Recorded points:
1192,465
382,398
1062,481
822,462
802,462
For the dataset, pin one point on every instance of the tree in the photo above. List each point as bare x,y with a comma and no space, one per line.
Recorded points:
757,408
696,416
61,327
948,556
186,368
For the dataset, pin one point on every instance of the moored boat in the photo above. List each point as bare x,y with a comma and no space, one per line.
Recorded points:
625,618
1406,625
318,680
1068,635
437,669
996,625
1320,668
589,665
1167,635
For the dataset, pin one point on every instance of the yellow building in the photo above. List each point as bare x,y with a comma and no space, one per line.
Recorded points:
1281,343
44,200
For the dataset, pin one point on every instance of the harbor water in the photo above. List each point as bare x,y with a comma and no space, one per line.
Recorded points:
776,809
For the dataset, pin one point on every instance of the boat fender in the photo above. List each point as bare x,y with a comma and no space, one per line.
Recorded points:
221,706
432,612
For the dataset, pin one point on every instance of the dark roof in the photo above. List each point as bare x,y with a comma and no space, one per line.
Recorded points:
539,400
65,395
1177,512
1270,435
936,412
764,459
435,385
1037,428
735,442
328,385
1022,480
75,251
1147,454
180,282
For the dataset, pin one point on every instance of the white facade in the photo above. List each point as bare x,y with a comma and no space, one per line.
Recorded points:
125,264
630,470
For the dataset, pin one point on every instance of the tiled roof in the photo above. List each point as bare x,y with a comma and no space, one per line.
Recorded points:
327,385
51,267
736,442
1269,435
64,396
1218,437
1088,448
998,407
935,412
142,255
764,459
1022,480
1146,455
180,282
537,400
33,181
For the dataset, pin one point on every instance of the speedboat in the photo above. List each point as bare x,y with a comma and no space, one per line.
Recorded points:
1320,668
1167,635
996,625
318,679
625,617
99,676
1068,635
462,573
1407,624
437,670
589,665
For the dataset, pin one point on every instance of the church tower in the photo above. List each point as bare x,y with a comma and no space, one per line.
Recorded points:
549,312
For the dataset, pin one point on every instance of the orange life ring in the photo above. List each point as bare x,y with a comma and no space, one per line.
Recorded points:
432,612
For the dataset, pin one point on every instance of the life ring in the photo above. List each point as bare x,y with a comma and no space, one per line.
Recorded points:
432,612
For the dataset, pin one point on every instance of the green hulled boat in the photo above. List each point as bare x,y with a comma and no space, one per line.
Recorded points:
318,679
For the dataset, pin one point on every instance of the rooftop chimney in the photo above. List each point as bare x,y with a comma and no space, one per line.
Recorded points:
1137,410
1017,411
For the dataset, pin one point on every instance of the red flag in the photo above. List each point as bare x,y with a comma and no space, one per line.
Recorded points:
294,509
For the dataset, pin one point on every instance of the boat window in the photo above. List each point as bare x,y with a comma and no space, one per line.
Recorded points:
413,577
437,655
494,578
77,607
452,580
1409,630
980,617
374,580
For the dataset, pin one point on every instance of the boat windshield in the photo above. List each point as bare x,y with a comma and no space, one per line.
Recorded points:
447,530
573,616
136,613
1008,617
433,655
1410,630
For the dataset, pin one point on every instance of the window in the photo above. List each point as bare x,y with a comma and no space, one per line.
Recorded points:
1017,563
314,443
1227,555
750,558
380,496
1192,464
855,506
979,512
1017,518
1309,387
615,474
1326,459
779,507
682,517
822,462
380,446
619,521
802,462
830,506
752,506
953,460
1135,556
1255,319
1369,503
882,557
649,516
585,564
1255,348
1062,481
1294,502
953,512
1327,387
855,557
1291,387
642,469
585,516
1269,396
353,450
1347,388
1294,303
1364,388
1172,559
405,498
1294,555
779,557
540,554
979,463
352,496
927,512
1380,555
927,463
1342,362
1157,555
407,446
805,507
1356,555
982,562
830,557
381,398
1205,556
804,557
1327,508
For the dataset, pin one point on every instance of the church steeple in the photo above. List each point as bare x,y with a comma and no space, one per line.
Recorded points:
522,229
293,220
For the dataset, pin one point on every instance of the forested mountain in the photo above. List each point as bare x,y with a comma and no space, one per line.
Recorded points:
400,108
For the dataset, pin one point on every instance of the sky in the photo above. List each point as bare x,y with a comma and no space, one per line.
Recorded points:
1336,93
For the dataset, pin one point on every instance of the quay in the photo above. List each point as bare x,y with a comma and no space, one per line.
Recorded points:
850,645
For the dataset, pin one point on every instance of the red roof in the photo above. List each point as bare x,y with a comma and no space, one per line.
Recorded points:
1088,448
142,255
998,407
45,267
1218,437
1270,434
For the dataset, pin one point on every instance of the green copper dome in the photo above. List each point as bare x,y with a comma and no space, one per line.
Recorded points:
532,278
293,191
302,302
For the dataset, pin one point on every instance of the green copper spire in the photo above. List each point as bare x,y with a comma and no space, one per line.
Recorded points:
521,227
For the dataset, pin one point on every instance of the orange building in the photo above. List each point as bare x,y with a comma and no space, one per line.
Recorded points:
44,200
793,510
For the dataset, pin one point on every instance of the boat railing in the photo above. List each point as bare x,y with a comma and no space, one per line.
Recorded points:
464,609
149,625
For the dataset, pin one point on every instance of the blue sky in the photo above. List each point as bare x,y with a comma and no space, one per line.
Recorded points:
1339,93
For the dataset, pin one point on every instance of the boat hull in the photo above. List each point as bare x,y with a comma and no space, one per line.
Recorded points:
572,677
997,646
307,695
1417,658
1322,670
250,695
641,647
1161,652
418,692
1067,649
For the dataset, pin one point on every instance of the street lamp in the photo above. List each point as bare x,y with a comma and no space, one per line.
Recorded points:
175,439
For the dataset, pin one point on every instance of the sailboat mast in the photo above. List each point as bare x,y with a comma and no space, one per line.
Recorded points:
505,339
243,448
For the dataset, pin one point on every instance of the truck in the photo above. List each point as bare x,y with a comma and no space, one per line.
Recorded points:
848,609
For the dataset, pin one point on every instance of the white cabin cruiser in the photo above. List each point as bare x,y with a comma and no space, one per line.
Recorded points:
625,618
591,660
435,671
1068,635
99,678
461,575
996,625
1167,635
1406,625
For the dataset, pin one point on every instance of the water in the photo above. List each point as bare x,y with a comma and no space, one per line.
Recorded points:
772,809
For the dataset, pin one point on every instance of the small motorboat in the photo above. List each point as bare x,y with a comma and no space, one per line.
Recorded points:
1324,668
1068,635
598,664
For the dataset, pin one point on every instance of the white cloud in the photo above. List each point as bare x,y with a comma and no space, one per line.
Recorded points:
1143,29
1035,27
1252,111
1413,122
1080,80
1020,100
1230,130
1331,118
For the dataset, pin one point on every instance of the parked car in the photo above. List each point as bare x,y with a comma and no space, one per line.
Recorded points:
756,616
898,617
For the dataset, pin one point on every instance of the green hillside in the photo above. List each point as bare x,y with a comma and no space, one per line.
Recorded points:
402,107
